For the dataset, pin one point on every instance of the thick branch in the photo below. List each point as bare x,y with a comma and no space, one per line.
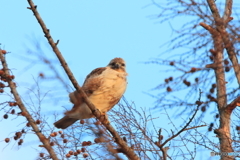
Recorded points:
209,28
230,107
227,11
221,24
214,10
223,132
231,53
164,151
25,112
129,152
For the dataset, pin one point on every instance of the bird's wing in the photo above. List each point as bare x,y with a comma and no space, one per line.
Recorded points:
93,81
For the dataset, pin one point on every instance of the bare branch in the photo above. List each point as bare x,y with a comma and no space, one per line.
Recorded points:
231,53
164,151
221,25
214,10
227,11
42,138
184,128
209,28
194,127
230,107
129,152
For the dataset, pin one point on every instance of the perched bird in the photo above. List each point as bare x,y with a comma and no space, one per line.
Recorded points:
104,87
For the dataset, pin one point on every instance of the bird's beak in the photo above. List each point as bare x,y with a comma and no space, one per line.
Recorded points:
116,66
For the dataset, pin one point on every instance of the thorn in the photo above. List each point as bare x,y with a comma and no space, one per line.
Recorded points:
57,42
48,30
230,18
214,53
35,7
211,66
29,8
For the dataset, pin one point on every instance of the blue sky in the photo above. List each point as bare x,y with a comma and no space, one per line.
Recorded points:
91,33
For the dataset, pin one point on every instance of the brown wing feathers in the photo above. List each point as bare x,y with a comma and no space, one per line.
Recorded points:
91,85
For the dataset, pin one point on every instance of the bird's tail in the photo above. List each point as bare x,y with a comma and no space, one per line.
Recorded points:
65,122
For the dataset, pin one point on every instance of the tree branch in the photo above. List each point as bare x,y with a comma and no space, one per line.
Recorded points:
164,151
230,107
129,152
231,53
227,11
221,24
42,138
195,127
220,42
209,28
185,127
214,10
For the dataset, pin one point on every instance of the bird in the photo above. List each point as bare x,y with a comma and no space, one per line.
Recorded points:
103,86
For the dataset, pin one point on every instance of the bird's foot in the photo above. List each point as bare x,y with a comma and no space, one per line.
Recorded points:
104,118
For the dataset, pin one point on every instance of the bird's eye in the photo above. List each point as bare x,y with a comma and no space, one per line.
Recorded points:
123,64
112,64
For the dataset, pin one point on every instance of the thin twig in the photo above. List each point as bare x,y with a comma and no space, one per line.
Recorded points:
194,127
184,128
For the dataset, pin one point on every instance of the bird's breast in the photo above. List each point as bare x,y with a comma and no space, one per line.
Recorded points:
110,91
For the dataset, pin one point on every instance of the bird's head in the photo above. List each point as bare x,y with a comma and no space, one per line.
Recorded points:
117,64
